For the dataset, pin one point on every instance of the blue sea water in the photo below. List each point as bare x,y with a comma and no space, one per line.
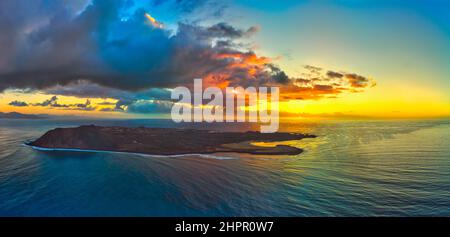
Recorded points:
353,168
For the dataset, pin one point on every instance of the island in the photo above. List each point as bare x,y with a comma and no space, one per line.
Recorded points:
165,141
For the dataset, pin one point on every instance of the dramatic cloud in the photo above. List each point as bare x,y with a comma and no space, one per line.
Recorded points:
18,103
223,30
115,49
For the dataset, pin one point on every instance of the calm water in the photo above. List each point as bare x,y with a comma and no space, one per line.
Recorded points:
352,169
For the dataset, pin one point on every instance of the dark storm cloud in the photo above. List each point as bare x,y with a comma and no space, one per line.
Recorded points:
357,81
333,74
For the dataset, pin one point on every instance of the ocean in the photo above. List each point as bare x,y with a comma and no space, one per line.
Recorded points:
353,168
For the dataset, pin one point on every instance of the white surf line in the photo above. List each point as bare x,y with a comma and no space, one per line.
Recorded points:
132,153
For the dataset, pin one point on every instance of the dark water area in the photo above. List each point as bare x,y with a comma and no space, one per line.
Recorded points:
353,168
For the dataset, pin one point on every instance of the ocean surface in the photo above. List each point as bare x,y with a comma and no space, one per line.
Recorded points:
353,168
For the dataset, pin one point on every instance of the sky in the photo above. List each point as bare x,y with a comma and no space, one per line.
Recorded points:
121,58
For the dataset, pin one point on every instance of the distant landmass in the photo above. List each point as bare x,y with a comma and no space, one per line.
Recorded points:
165,141
15,115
